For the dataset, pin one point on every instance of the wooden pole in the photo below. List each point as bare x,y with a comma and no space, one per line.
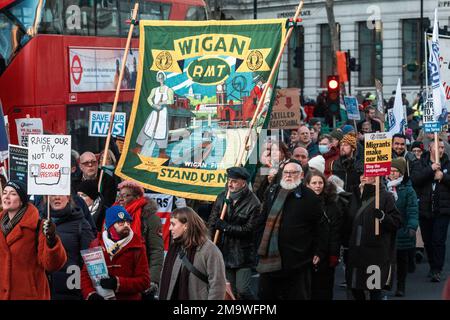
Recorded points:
436,148
258,108
116,97
377,194
48,208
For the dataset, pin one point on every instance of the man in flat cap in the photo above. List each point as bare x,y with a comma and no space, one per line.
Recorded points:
237,231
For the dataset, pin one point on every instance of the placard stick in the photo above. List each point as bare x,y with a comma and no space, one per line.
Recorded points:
259,107
377,204
48,208
116,97
436,148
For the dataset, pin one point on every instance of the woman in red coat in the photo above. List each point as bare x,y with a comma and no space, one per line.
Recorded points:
125,258
28,248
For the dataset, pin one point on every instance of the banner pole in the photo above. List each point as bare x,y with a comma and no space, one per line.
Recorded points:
258,108
116,97
425,46
377,204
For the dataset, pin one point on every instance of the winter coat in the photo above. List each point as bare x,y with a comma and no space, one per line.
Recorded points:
299,234
154,244
75,234
330,228
209,261
409,209
349,170
129,266
422,177
23,265
238,243
365,248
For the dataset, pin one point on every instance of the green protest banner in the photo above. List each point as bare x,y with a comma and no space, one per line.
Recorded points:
198,87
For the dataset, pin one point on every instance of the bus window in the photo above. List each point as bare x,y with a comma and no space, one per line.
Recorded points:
79,17
107,18
196,14
154,11
53,18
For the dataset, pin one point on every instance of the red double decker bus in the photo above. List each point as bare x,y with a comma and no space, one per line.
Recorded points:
60,59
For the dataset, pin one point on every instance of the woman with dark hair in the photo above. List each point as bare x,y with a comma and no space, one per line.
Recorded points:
330,224
29,247
146,224
194,268
76,235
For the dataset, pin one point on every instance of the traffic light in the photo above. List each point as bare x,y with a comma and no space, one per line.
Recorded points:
298,57
333,96
352,65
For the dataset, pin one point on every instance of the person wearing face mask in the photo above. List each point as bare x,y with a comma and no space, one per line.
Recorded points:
125,257
29,247
406,202
76,234
329,152
322,282
367,252
194,268
237,230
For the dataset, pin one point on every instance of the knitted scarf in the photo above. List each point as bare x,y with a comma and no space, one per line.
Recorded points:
113,247
270,258
7,225
392,186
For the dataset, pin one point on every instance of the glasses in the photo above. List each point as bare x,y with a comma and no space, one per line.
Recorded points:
123,222
89,163
123,196
290,173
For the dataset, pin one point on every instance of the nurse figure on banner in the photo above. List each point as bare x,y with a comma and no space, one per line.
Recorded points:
155,131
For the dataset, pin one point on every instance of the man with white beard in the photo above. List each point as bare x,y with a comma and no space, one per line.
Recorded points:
289,244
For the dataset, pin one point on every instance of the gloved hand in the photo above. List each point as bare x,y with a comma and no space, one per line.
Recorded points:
150,293
109,283
95,296
379,214
153,287
411,233
333,261
49,230
221,225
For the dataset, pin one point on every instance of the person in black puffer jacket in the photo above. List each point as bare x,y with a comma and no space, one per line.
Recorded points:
322,283
432,184
237,230
76,234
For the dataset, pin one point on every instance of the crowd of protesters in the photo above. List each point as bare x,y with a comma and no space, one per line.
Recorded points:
307,208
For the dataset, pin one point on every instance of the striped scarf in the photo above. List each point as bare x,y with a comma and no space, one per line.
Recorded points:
270,258
7,225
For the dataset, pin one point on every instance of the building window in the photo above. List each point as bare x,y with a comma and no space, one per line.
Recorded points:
370,53
326,63
413,50
296,53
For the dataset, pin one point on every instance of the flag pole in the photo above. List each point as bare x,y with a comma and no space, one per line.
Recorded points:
258,108
377,194
116,97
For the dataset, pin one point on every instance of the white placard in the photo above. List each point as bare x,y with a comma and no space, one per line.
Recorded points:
27,126
49,164
99,123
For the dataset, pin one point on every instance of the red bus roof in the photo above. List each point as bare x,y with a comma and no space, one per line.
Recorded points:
4,3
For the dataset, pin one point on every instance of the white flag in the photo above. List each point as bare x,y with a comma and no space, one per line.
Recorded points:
439,108
396,115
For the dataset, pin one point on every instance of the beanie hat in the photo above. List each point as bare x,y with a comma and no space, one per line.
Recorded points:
347,129
349,138
400,164
417,144
21,190
89,188
116,214
318,163
337,134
